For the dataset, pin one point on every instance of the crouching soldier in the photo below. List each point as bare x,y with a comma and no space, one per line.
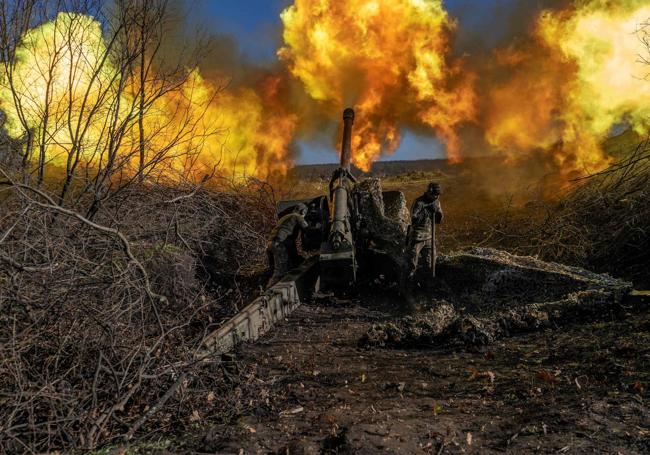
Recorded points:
418,242
281,249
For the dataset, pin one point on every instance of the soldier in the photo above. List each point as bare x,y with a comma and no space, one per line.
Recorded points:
419,236
281,248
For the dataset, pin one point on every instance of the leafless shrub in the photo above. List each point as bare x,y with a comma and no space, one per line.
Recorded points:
99,320
113,266
602,224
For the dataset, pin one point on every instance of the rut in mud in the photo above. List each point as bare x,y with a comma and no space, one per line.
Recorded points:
310,386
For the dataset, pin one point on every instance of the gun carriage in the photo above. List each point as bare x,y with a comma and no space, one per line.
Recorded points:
348,227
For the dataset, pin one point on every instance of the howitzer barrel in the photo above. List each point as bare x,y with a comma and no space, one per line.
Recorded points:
346,145
337,256
340,231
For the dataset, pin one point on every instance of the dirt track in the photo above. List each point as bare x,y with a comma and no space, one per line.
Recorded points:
311,389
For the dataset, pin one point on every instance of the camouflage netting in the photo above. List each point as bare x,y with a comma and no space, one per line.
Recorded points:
484,294
384,218
395,208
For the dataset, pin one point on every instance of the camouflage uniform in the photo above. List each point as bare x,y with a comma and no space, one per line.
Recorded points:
281,248
419,238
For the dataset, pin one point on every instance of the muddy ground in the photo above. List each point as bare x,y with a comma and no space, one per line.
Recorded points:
308,387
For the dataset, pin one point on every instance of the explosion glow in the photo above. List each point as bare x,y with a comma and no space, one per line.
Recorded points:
52,84
561,90
68,95
388,58
581,76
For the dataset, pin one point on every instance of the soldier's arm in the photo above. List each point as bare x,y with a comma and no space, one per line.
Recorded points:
417,211
439,215
302,222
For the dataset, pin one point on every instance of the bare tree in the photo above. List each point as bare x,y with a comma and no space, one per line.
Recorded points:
100,297
90,92
643,33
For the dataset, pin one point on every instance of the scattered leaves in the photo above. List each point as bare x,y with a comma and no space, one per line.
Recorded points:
195,417
476,374
295,410
546,376
250,429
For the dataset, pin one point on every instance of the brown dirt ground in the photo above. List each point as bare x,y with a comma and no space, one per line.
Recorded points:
308,388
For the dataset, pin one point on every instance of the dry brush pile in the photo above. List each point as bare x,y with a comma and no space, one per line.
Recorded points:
100,318
603,224
114,264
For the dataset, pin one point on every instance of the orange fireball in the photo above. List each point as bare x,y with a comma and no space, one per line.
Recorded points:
576,78
390,59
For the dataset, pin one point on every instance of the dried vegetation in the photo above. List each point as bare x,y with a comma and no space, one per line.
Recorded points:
114,262
99,319
602,225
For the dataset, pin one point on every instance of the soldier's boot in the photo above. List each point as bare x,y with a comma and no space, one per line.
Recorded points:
405,278
426,274
410,297
407,282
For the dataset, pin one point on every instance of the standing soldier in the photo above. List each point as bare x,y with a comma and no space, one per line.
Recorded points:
281,249
419,244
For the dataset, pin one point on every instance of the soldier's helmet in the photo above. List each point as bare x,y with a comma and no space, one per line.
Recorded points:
302,209
434,189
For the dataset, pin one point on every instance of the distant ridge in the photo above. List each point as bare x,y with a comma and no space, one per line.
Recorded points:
383,168
617,146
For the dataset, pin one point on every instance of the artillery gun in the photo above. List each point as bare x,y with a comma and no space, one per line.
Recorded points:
356,233
357,229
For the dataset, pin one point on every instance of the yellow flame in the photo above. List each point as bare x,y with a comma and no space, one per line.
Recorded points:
581,77
388,57
67,94
243,132
52,81
603,40
562,91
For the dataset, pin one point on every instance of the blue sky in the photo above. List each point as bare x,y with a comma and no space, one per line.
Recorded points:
256,27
